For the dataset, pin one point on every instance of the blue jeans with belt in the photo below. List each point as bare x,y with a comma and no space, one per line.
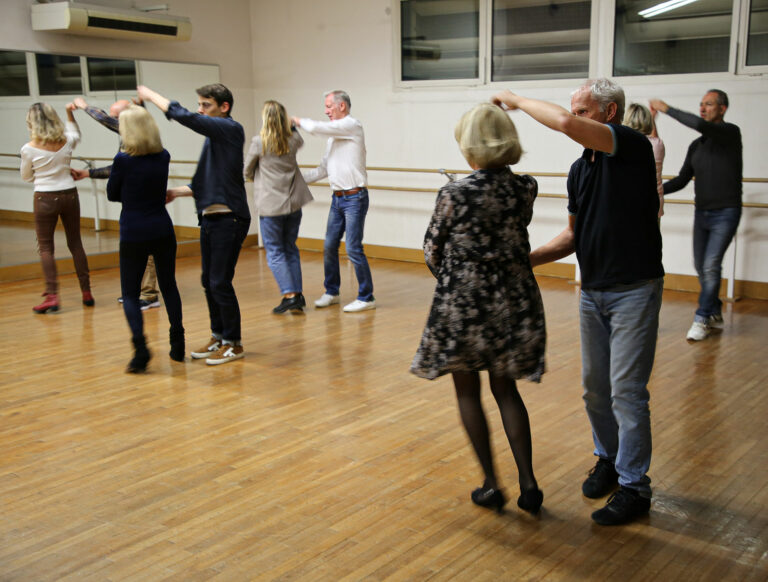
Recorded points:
619,326
279,234
713,231
221,237
347,214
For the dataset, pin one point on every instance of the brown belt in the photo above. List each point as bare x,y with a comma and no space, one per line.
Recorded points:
347,192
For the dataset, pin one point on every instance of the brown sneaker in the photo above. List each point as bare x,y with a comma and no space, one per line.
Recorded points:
211,347
226,353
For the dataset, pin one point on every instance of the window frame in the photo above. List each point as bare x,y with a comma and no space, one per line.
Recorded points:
742,37
601,50
483,67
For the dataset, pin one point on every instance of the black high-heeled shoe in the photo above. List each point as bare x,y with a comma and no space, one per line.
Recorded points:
489,498
531,500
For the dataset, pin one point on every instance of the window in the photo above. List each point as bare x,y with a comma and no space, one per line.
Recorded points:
111,74
59,75
757,34
535,39
13,74
692,37
462,42
439,39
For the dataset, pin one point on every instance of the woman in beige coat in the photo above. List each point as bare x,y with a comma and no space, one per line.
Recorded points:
280,192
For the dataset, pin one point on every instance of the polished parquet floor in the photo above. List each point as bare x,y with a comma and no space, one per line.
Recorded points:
319,457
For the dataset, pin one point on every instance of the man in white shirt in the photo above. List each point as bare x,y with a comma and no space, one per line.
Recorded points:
344,165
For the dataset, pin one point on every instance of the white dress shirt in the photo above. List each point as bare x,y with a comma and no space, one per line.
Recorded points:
344,159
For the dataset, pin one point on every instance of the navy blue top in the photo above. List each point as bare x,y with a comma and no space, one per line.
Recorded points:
616,205
219,175
140,183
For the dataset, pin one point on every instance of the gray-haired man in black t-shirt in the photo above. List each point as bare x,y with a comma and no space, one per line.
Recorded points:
612,227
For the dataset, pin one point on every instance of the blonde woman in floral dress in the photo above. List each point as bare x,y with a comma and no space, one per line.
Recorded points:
487,312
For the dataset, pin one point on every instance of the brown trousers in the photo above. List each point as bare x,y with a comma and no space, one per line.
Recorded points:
49,206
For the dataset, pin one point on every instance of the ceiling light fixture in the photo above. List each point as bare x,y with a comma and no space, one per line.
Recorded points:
663,7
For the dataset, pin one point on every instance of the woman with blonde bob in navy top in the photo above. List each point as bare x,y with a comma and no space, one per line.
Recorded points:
139,180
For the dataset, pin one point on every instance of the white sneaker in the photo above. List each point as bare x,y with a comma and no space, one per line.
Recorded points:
326,300
698,332
716,321
358,305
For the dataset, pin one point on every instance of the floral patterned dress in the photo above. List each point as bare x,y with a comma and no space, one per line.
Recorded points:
487,312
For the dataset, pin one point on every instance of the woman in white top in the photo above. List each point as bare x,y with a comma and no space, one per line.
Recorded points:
641,119
45,161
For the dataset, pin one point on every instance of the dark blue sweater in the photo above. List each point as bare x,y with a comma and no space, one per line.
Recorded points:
140,183
219,175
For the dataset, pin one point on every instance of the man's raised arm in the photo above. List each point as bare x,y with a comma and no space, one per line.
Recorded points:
587,132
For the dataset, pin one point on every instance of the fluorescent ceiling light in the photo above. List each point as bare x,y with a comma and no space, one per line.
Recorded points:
663,7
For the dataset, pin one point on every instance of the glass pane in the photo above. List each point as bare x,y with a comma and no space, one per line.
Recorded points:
540,39
111,74
689,38
439,39
757,43
59,75
13,74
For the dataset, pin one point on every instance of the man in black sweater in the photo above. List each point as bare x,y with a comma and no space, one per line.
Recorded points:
715,160
219,191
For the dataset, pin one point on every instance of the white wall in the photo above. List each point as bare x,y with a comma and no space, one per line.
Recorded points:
220,37
303,48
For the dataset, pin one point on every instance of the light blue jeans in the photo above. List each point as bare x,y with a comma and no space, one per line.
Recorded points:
347,215
713,231
279,234
619,326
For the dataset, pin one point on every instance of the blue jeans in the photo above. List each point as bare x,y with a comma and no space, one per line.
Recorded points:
347,213
279,234
713,231
221,237
619,326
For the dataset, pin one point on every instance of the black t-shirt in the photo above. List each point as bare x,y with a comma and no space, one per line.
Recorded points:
616,204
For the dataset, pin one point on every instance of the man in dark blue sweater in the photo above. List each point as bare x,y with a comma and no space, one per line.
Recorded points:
222,208
715,160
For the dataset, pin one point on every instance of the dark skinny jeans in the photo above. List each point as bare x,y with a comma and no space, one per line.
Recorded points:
133,262
48,207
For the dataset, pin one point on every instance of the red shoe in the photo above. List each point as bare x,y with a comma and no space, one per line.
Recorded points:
51,303
88,299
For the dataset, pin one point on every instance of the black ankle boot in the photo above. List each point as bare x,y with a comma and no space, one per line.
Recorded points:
177,345
141,357
490,498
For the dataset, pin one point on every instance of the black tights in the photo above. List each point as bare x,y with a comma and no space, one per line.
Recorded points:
133,262
514,416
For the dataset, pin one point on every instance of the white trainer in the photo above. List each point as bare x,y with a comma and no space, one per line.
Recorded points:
326,300
358,305
698,332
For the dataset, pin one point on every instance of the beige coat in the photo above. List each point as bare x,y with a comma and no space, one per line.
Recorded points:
279,187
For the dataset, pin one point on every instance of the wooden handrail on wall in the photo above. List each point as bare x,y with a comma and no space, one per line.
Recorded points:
88,160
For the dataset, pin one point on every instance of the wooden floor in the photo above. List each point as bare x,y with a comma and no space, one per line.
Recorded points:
319,457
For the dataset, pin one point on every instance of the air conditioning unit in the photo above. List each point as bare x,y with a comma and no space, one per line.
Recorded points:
92,20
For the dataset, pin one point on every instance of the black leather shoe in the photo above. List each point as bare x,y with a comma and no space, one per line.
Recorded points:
531,500
295,303
489,498
602,479
623,506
